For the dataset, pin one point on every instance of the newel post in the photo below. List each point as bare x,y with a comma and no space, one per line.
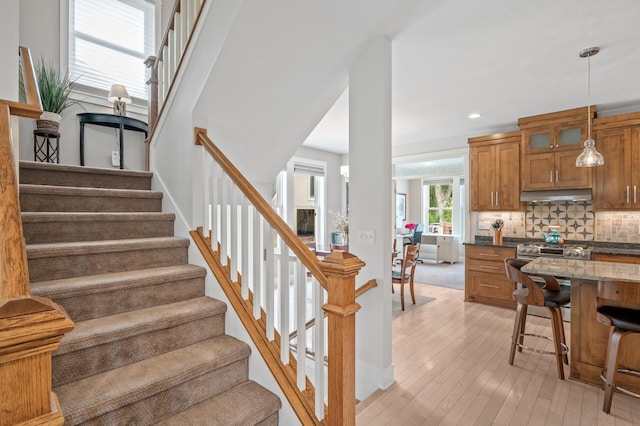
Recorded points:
341,269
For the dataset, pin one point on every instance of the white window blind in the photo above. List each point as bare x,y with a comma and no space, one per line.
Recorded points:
109,41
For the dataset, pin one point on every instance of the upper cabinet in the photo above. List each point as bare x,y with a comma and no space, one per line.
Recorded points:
550,145
618,180
495,172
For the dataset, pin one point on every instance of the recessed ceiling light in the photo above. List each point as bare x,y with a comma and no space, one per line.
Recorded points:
474,115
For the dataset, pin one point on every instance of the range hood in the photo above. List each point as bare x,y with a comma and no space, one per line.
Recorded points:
556,195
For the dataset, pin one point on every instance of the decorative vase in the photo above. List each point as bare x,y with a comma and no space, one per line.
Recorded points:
49,122
497,238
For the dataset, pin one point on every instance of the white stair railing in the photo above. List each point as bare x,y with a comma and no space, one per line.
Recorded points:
277,285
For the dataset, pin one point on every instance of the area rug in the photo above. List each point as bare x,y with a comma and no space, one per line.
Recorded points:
396,308
440,274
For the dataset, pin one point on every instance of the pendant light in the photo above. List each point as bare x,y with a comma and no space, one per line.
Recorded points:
589,156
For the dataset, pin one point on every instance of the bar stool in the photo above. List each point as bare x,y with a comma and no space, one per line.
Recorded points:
547,294
623,321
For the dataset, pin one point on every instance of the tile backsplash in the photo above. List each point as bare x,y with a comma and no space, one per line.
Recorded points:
576,221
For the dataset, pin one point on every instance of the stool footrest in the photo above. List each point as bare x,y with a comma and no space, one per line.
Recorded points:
565,348
635,373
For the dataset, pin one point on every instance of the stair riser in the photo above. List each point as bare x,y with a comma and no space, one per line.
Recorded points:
77,203
83,363
59,267
172,401
85,180
83,307
64,231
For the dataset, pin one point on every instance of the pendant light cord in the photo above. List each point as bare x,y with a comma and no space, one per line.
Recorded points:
589,94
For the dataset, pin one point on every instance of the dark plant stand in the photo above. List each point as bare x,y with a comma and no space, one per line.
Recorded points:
43,148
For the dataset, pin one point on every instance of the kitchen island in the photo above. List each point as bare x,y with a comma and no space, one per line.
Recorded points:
589,338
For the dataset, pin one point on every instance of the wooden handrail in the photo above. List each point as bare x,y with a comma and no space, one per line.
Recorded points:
30,327
294,243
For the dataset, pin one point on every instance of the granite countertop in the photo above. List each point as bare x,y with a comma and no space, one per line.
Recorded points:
604,247
584,269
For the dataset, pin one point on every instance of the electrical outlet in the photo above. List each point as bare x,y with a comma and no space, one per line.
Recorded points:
483,225
115,158
366,236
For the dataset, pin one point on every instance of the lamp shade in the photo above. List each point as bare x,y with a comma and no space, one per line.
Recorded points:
118,93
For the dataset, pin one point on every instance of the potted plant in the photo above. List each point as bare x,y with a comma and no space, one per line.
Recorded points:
55,88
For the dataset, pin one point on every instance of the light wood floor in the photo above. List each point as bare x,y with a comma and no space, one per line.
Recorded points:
451,368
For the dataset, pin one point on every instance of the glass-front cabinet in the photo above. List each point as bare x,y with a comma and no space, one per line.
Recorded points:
555,138
550,145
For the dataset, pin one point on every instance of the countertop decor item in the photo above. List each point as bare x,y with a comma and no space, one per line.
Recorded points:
497,231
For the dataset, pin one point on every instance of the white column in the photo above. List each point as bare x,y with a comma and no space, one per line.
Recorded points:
370,207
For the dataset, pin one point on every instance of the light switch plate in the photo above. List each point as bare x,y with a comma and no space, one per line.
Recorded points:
483,225
366,236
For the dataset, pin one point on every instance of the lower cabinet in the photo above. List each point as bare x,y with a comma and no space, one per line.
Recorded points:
619,258
485,277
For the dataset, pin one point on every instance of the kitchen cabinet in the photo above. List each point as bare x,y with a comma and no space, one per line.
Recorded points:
485,277
618,258
495,171
618,180
550,145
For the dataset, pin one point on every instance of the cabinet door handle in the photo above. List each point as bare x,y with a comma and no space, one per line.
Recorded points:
497,198
557,145
627,193
556,175
489,254
635,194
488,285
491,197
551,176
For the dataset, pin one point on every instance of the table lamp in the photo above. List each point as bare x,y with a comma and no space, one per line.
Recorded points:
120,98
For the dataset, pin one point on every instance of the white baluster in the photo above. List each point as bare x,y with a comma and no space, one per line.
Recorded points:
284,301
301,281
215,205
184,25
224,221
171,55
245,237
318,346
233,229
177,30
258,263
269,280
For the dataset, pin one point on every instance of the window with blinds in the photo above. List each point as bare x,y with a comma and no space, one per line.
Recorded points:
109,41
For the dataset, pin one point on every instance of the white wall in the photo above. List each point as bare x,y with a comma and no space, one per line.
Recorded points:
9,49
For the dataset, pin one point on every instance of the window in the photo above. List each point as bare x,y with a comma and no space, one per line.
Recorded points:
438,202
109,41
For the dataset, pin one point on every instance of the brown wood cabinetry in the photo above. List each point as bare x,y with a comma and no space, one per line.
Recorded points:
550,145
618,180
619,258
495,171
485,277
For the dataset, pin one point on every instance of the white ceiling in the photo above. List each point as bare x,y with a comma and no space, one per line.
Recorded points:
503,59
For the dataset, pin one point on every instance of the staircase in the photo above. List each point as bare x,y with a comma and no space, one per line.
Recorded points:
148,346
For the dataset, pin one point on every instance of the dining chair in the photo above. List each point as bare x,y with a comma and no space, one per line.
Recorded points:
406,273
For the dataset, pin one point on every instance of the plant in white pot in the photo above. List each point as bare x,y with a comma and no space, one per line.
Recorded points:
55,88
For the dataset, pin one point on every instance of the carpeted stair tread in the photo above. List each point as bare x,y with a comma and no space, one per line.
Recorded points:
246,404
115,327
75,248
117,281
96,395
95,296
45,198
65,175
51,227
54,261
